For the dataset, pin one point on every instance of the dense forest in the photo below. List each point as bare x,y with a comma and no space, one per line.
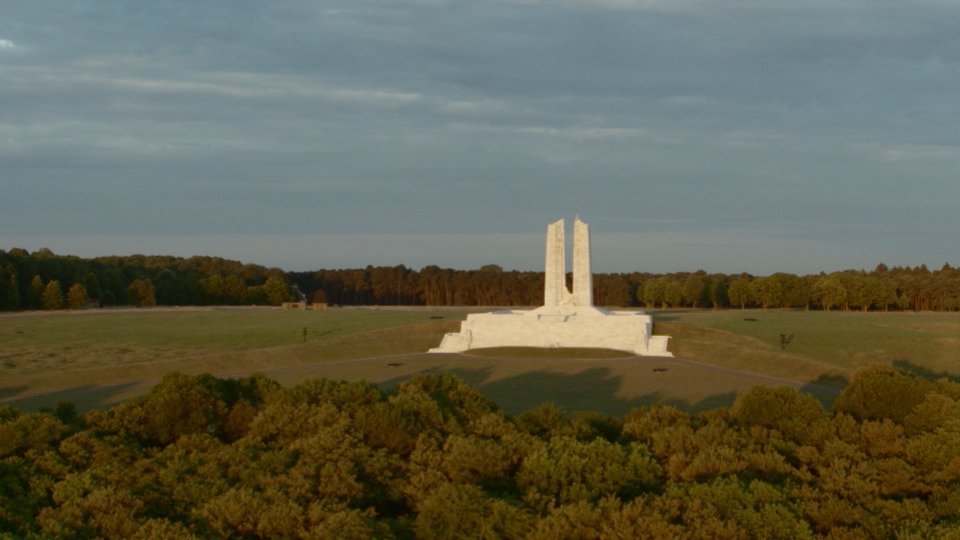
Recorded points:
207,457
880,289
43,280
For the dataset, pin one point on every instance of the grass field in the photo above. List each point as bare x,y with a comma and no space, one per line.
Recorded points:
95,358
42,351
822,344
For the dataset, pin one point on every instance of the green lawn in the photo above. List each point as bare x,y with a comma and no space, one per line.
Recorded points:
98,357
50,351
827,342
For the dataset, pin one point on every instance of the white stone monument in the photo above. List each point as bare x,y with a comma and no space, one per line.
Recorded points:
567,319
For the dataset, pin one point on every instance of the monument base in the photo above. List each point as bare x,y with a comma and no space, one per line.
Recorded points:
558,326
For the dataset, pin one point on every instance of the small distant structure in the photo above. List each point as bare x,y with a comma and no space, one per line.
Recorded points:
303,306
567,318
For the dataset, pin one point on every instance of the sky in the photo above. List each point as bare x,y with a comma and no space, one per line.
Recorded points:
731,136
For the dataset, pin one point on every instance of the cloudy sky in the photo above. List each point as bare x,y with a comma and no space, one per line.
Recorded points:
738,135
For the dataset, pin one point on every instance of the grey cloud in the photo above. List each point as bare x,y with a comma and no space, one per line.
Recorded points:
690,117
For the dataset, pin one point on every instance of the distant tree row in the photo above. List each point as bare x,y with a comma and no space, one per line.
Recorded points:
43,280
898,288
204,457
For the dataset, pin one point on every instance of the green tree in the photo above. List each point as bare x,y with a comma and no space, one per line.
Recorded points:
694,289
178,405
255,295
767,291
829,292
9,289
77,297
672,293
568,470
276,290
879,392
92,283
653,292
794,290
52,297
717,291
805,294
780,408
856,287
545,420
213,288
739,293
876,294
464,511
234,289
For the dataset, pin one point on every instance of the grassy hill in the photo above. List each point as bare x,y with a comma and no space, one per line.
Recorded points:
99,357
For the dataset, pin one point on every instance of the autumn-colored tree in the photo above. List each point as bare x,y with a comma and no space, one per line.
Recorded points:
77,297
178,405
319,297
781,408
140,293
464,511
234,289
879,392
52,297
37,286
568,470
433,458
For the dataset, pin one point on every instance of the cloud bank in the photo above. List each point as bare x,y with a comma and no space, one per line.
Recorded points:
765,129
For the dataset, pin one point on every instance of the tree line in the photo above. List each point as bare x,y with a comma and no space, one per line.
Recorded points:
206,457
883,288
43,280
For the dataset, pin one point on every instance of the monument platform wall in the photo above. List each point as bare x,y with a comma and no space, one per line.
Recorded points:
566,326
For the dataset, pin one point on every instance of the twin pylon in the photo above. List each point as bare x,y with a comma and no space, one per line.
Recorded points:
555,291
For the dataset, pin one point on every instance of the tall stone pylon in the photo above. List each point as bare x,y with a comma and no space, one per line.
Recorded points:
555,292
582,278
566,319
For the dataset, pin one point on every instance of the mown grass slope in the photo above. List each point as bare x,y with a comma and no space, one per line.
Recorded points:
823,343
96,358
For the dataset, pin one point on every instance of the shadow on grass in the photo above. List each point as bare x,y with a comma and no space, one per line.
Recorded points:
83,397
909,367
825,388
664,314
593,389
7,391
